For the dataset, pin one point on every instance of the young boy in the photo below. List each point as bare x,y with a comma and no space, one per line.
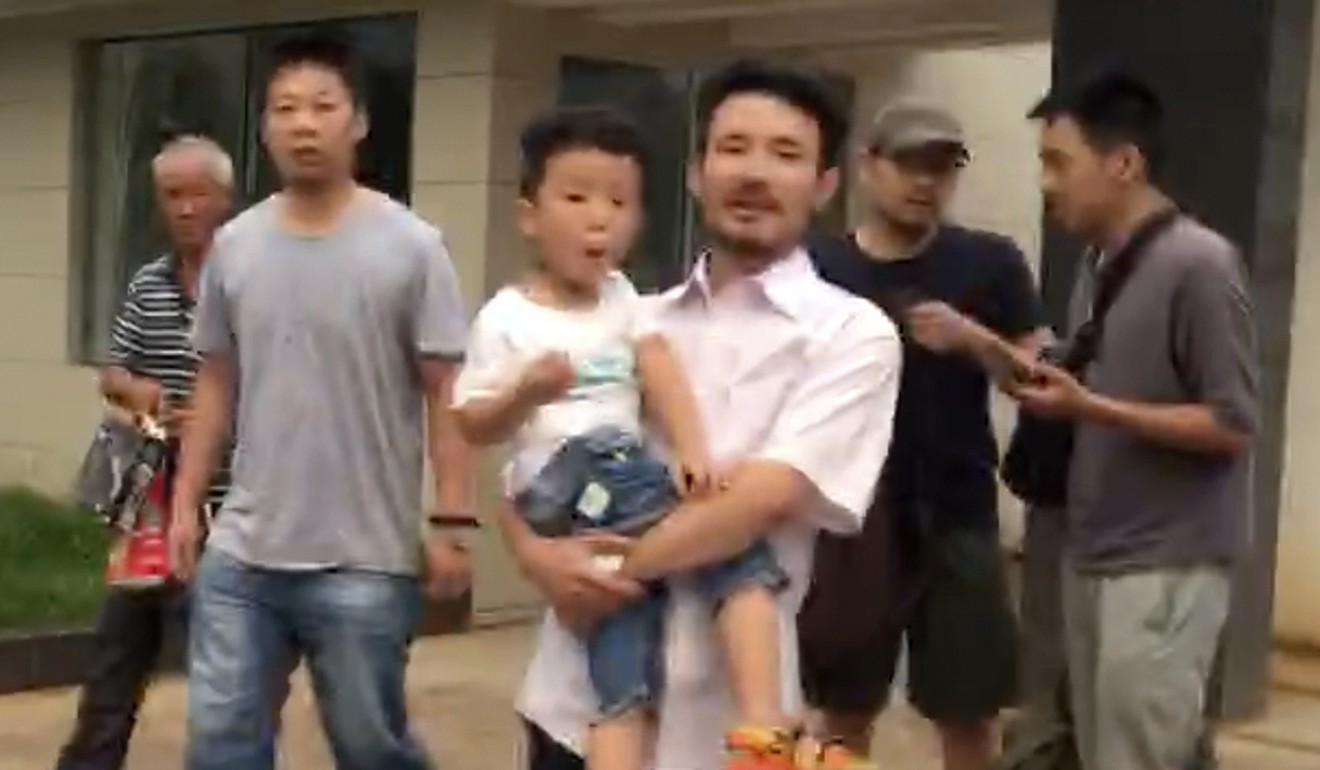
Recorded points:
562,365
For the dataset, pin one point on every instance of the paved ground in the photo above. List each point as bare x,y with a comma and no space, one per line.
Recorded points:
461,689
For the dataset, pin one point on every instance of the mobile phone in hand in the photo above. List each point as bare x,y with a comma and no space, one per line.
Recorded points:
1007,367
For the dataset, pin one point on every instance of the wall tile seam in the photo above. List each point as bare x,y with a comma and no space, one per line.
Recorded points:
59,101
31,187
427,77
5,275
420,180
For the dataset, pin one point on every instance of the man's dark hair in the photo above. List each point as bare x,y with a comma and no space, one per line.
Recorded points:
576,128
327,51
1112,108
797,87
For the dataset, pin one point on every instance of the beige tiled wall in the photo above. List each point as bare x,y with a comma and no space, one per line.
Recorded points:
47,406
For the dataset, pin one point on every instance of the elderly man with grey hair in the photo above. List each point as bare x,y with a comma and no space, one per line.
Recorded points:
149,369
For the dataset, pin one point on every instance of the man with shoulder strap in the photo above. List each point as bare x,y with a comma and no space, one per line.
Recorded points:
1164,413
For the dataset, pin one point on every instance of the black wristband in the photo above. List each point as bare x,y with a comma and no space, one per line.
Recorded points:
453,521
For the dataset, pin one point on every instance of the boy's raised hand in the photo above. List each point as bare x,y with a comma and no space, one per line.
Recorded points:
547,378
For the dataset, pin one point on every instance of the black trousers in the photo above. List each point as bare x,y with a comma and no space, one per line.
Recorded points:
131,633
543,753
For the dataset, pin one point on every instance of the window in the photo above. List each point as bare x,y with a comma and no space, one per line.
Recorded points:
135,90
663,105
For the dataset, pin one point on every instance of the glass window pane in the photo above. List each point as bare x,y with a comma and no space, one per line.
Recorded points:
140,90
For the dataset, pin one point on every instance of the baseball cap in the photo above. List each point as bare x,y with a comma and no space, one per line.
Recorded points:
910,124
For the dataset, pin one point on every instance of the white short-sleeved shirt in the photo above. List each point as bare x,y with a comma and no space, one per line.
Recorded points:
785,367
512,330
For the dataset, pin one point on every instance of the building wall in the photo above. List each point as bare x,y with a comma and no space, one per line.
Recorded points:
483,68
47,409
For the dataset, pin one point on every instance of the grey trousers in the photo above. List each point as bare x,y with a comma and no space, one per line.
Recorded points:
1140,648
1041,737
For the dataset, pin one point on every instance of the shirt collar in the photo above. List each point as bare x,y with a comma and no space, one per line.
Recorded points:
781,283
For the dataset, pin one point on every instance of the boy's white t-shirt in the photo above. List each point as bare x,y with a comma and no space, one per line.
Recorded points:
511,331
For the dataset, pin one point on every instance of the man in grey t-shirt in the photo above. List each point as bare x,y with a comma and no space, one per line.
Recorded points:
1158,492
330,327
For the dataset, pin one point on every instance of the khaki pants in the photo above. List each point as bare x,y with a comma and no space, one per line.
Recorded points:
1140,648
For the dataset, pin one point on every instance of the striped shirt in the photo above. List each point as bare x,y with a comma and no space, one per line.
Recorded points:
152,338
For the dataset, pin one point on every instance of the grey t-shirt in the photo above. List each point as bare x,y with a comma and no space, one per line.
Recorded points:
1180,331
325,334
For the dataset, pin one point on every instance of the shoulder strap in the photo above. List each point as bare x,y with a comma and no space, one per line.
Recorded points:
1113,276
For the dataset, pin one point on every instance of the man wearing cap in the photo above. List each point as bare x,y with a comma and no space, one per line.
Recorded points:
927,564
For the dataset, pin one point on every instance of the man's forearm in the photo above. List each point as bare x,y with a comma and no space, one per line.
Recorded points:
451,458
1000,357
760,497
123,388
204,434
450,455
1189,427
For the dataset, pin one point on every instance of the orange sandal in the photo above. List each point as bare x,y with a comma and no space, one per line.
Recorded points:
761,748
813,754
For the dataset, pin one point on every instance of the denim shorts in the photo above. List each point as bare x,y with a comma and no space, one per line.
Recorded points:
607,480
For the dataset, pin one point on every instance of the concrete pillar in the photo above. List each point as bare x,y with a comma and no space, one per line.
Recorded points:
1234,76
1297,604
481,72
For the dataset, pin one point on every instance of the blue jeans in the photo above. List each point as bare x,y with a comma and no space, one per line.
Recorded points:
248,626
606,480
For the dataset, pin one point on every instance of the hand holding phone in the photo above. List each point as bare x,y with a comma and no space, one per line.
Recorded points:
1009,366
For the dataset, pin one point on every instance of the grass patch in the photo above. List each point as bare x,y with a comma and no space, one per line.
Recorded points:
52,558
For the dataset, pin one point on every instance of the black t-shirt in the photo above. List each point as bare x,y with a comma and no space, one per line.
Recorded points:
943,456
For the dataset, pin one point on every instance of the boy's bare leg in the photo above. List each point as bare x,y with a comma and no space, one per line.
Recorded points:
749,631
620,743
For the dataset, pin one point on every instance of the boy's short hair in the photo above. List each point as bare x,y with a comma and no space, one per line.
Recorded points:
1112,108
802,89
576,128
